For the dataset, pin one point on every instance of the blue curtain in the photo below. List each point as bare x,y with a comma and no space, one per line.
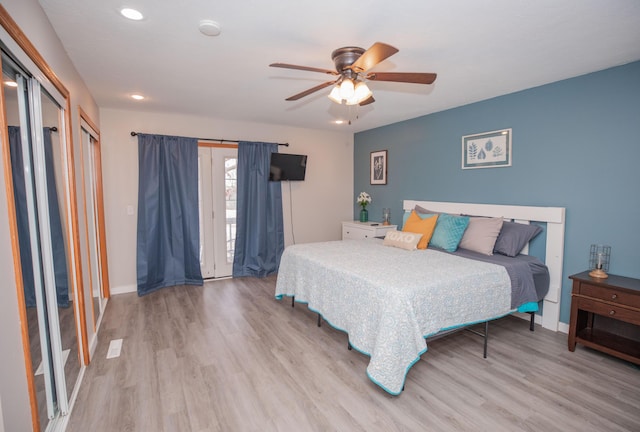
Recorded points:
55,223
259,230
168,219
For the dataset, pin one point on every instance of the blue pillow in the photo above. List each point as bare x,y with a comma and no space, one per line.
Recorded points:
449,231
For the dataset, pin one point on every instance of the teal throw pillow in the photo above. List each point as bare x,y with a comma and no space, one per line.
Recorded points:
449,231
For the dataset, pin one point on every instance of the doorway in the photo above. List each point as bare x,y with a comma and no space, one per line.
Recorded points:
217,191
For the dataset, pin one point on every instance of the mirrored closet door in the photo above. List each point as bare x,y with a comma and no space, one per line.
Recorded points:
94,279
35,117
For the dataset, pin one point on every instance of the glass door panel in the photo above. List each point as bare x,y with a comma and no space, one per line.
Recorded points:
217,180
18,111
93,277
61,284
205,209
230,161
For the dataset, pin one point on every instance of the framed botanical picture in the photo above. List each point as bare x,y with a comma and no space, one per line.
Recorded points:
487,150
379,167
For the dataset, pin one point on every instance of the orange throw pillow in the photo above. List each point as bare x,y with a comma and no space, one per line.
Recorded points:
416,224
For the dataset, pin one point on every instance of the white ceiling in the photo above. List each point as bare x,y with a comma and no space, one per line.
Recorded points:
479,49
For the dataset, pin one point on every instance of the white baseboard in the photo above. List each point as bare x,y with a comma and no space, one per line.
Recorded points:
123,289
563,328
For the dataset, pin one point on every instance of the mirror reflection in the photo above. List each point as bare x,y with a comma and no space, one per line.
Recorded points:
41,214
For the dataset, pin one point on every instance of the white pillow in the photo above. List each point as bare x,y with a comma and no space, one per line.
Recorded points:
402,239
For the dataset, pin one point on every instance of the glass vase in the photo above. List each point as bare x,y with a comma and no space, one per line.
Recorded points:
364,215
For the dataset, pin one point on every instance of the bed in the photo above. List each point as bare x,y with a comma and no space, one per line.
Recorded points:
390,300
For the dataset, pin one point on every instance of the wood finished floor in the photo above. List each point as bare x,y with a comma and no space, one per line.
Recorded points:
228,357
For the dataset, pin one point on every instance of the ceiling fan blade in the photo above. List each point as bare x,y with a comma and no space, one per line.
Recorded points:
378,52
367,101
304,68
407,77
311,90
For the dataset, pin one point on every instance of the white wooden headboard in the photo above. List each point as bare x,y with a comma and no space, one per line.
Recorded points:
552,216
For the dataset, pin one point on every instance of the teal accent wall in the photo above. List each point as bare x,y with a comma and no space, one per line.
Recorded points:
576,144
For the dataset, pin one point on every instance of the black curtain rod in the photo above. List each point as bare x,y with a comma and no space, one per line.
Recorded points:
217,139
53,129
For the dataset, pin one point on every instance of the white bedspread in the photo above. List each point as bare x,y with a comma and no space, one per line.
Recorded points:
388,299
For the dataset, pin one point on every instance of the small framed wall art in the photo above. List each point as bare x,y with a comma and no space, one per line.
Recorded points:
487,150
379,167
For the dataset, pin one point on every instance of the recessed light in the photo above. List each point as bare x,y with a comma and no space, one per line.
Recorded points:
137,96
339,121
132,14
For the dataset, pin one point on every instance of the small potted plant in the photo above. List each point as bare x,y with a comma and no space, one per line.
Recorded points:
363,200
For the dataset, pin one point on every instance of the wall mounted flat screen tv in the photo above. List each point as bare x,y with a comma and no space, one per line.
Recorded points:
287,167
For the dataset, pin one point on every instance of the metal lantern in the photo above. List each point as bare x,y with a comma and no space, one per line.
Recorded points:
599,257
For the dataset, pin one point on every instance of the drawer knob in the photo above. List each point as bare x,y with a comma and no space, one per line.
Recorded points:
612,312
614,296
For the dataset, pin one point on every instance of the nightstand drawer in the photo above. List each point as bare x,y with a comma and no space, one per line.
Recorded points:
610,295
356,233
364,230
613,311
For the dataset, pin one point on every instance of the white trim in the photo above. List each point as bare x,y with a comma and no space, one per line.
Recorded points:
563,328
123,289
554,256
29,65
94,340
60,424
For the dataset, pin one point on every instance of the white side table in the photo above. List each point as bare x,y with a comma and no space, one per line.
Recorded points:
355,230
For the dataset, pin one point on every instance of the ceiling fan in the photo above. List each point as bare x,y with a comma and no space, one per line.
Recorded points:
352,70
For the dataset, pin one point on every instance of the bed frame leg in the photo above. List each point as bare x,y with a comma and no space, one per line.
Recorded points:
319,320
486,337
293,301
532,321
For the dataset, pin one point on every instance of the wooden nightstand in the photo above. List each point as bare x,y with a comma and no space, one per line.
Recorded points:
605,315
354,230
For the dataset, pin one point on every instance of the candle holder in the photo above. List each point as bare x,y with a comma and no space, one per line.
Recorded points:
386,216
599,257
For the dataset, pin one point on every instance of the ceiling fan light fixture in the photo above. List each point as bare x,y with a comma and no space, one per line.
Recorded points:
352,68
347,89
362,92
335,95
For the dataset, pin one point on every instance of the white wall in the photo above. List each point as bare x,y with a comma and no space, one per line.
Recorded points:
320,202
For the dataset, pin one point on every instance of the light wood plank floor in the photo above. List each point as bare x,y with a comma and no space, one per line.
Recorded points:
229,357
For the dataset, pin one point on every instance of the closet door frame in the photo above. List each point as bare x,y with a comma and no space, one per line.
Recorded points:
20,46
97,204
